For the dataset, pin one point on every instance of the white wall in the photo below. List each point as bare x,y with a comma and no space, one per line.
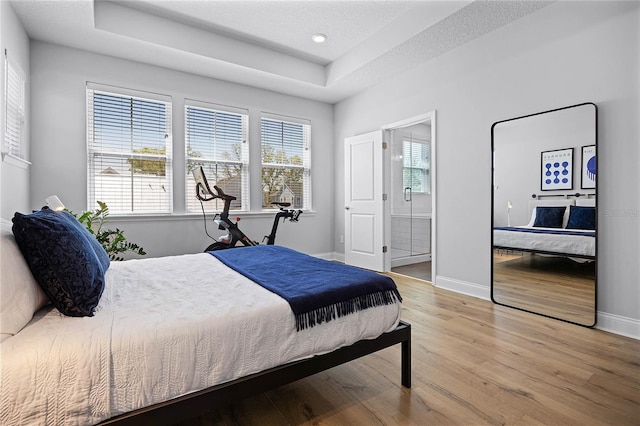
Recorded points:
564,54
59,76
14,175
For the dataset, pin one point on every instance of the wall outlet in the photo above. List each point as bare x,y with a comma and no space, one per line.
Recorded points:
341,239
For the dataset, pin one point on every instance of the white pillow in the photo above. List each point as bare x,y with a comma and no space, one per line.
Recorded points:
20,294
533,218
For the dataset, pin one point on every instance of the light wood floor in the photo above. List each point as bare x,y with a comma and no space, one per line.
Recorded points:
473,363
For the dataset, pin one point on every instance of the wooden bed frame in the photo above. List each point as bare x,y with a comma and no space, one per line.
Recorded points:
192,404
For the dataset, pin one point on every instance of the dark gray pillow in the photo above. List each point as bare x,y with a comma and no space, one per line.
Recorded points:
549,217
582,217
62,259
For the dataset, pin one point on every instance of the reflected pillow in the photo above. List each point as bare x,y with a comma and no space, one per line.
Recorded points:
62,259
582,217
549,217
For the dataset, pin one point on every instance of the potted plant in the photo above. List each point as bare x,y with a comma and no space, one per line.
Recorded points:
113,240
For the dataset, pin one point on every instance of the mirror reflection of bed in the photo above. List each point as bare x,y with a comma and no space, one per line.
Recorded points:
544,236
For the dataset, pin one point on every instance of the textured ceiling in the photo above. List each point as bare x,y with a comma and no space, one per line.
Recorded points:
267,43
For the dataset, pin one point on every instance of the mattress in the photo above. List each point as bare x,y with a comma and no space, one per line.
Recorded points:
574,242
164,327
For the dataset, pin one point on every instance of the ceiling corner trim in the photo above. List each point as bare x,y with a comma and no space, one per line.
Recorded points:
142,27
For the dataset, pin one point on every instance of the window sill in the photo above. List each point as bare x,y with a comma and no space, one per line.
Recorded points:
15,161
193,216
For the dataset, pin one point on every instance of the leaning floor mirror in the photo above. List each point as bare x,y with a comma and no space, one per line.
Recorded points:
544,233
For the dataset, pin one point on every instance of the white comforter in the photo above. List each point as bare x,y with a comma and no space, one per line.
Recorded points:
164,327
566,244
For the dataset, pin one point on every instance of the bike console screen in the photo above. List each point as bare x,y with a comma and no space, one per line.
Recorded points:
203,192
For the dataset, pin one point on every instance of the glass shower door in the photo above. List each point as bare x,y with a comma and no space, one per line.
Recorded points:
410,195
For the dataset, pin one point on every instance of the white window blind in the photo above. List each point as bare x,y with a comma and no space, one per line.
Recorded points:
415,171
216,139
129,152
14,109
286,161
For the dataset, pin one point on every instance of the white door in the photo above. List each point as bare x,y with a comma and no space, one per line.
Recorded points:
364,205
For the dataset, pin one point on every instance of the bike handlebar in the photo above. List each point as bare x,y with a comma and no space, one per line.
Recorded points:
292,215
222,195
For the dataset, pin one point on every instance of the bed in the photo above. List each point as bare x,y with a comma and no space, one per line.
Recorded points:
561,228
168,338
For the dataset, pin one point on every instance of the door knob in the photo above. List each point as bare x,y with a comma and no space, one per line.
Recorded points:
347,207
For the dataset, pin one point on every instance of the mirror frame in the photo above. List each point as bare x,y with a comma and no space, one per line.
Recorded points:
595,302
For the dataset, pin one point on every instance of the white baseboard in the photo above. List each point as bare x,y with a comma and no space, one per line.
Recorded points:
617,324
330,256
464,287
611,323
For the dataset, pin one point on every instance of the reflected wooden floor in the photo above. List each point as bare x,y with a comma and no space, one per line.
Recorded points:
474,363
553,286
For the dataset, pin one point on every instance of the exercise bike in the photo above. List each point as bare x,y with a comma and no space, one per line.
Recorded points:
234,235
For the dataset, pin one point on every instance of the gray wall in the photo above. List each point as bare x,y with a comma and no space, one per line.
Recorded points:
14,175
59,76
564,54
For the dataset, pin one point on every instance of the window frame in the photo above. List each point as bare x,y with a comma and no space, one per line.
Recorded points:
425,172
305,167
242,204
15,87
93,153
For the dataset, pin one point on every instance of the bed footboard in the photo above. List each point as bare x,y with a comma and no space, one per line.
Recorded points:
218,396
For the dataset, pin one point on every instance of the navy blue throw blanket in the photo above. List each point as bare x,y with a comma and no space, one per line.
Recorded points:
562,231
317,290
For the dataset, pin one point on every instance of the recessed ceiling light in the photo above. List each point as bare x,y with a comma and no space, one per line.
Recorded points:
319,37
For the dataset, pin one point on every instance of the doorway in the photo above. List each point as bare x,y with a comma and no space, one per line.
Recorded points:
411,199
368,189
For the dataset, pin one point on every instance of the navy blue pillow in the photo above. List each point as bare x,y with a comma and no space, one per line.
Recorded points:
582,217
62,260
103,257
549,217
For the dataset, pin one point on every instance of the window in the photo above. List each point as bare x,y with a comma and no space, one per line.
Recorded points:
129,151
216,139
415,165
14,85
286,161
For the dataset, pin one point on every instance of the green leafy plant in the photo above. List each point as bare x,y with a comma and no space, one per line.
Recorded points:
113,240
